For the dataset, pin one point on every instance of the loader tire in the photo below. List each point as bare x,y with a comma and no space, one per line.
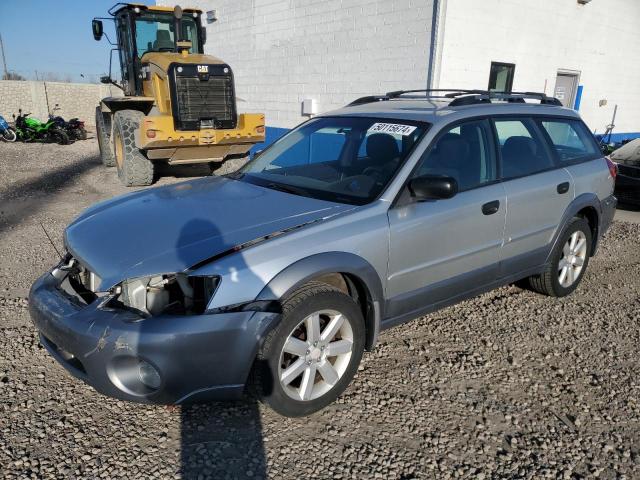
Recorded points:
104,140
134,168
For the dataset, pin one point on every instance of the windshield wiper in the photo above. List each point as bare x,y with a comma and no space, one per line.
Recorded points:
288,189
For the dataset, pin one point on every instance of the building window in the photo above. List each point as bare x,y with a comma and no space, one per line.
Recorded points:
501,77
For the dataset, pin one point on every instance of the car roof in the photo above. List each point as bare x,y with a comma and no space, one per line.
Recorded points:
439,110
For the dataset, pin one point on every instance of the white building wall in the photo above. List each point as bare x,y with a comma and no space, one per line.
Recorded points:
601,40
283,51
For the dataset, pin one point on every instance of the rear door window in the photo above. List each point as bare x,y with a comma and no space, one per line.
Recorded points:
522,149
570,138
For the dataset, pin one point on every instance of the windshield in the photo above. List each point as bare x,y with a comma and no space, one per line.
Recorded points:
155,33
341,159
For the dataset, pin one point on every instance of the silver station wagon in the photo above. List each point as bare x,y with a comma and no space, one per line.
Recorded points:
276,278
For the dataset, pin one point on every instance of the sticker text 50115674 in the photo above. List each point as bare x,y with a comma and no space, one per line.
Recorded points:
396,128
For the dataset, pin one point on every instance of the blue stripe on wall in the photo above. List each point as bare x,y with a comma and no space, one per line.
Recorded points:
576,105
619,137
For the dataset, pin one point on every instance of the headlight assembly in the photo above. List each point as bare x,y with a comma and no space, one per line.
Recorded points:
174,293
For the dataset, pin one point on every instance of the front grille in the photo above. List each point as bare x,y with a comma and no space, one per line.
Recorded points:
203,100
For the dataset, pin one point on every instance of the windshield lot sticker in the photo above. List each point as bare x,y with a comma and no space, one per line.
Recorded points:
396,128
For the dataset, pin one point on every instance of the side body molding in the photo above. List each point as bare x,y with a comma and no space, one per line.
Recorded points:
300,272
581,201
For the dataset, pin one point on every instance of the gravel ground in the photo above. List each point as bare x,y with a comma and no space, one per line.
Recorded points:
508,385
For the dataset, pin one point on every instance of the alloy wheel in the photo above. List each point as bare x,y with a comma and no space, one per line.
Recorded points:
574,254
315,355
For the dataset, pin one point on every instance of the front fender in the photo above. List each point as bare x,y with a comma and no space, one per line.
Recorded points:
300,272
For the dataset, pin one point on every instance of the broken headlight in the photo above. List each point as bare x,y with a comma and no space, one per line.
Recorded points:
170,293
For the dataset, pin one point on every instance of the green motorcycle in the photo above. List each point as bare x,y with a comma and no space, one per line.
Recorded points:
33,130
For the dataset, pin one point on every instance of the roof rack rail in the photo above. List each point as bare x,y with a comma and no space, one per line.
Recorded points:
462,97
509,97
452,92
368,99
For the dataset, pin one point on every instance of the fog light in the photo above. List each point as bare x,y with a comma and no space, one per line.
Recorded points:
148,375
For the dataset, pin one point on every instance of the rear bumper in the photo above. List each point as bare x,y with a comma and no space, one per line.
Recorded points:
198,357
158,132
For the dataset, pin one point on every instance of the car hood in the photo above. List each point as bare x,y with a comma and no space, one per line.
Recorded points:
169,229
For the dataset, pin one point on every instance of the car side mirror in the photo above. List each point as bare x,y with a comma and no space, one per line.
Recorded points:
96,26
433,187
105,79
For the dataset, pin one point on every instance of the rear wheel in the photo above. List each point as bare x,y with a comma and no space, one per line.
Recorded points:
81,134
59,136
104,140
568,262
134,169
310,358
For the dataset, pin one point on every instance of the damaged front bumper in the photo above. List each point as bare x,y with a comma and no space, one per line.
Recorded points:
168,359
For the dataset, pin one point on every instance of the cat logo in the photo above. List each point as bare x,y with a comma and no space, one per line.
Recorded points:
203,68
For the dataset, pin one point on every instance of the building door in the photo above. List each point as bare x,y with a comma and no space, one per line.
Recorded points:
566,86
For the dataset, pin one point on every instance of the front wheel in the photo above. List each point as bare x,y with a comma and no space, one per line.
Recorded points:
104,140
310,358
9,135
134,169
568,263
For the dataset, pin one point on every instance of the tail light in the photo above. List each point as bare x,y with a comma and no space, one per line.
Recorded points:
613,168
81,124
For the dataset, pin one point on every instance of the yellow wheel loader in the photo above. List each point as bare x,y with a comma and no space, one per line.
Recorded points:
179,105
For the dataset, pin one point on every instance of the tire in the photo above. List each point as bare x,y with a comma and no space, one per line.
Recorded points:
551,281
104,140
9,135
272,361
59,136
134,169
81,134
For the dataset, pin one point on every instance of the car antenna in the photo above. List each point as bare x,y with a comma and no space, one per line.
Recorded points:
51,241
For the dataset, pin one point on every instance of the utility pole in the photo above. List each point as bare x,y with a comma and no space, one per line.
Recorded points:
4,60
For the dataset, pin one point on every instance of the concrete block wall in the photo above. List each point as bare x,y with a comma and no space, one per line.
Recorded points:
333,51
75,99
600,40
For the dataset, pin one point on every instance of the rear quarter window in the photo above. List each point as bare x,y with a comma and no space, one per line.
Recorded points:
570,139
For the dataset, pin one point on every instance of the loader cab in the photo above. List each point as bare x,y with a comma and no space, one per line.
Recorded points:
141,29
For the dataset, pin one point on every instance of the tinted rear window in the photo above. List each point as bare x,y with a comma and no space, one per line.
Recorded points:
570,139
522,149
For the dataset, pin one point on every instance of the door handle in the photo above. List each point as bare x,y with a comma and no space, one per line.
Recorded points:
491,207
563,188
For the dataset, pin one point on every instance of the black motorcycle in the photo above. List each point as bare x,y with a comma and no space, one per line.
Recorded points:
74,127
